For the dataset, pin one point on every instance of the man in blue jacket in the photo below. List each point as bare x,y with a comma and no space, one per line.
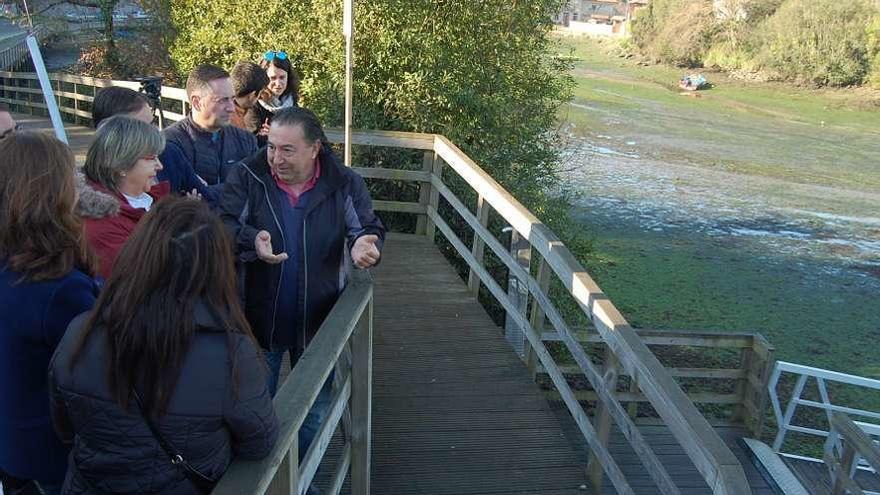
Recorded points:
205,141
296,214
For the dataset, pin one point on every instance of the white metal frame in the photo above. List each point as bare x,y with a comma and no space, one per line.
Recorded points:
821,376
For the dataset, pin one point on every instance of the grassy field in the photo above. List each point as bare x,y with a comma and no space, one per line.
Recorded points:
755,128
799,148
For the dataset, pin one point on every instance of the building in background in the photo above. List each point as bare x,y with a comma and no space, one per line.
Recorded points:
598,17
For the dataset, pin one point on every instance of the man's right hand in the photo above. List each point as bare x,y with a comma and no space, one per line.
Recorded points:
263,245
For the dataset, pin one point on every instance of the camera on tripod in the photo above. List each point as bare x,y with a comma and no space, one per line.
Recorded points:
151,87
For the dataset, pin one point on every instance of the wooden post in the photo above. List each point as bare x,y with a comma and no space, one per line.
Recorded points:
361,401
478,246
847,459
761,395
633,407
76,117
518,291
603,420
536,318
425,193
348,32
740,413
434,201
286,480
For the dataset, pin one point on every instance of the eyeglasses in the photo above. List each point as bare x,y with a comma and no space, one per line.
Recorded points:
272,54
9,132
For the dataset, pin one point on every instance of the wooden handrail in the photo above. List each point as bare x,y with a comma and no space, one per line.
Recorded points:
856,444
711,456
350,321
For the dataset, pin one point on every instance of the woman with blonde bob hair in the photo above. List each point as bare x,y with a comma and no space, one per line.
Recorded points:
46,279
163,383
121,167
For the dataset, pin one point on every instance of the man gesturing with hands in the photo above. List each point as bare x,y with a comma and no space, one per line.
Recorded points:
294,211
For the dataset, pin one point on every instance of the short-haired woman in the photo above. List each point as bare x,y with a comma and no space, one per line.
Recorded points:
282,92
165,365
46,279
121,165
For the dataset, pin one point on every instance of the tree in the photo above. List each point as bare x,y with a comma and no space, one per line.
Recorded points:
481,73
106,7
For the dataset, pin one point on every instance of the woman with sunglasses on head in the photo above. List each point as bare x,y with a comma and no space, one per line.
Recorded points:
46,279
163,384
120,169
282,92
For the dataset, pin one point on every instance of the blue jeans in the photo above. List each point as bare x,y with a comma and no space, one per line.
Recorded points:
319,409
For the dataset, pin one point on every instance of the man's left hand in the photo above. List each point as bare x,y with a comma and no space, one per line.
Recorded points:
364,253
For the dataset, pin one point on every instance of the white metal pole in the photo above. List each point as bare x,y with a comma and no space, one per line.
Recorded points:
348,32
48,94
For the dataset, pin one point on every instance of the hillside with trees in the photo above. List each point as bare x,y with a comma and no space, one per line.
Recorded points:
812,42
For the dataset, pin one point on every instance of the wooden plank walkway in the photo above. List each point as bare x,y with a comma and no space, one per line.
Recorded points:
454,411
79,137
815,476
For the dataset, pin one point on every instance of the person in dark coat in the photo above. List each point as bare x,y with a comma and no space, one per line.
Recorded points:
205,141
46,279
167,344
296,215
121,167
248,81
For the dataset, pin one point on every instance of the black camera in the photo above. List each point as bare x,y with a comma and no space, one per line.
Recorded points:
151,87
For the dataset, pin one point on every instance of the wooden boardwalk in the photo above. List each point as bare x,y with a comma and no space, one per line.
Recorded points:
454,409
815,475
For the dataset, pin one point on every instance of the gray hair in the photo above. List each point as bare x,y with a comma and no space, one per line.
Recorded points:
119,143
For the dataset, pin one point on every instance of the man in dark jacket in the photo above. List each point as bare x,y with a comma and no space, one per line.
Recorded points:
296,213
205,141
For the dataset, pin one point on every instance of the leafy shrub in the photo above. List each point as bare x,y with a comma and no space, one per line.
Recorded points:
820,42
872,35
678,32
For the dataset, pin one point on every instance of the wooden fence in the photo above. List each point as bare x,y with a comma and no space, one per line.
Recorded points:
627,352
344,342
847,444
744,384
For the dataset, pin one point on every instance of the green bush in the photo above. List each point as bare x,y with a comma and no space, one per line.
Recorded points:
820,42
677,32
872,42
480,73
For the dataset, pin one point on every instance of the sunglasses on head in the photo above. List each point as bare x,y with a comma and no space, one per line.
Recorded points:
272,54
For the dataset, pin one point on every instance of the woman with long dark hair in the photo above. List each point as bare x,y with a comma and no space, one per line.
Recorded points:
165,365
46,279
282,92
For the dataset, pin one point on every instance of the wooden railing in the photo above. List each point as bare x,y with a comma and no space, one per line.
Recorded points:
847,443
741,374
74,94
627,352
344,342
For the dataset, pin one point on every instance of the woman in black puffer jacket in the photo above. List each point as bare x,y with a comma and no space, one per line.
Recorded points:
167,344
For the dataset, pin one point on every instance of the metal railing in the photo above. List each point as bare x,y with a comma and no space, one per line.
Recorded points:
846,447
344,342
822,379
